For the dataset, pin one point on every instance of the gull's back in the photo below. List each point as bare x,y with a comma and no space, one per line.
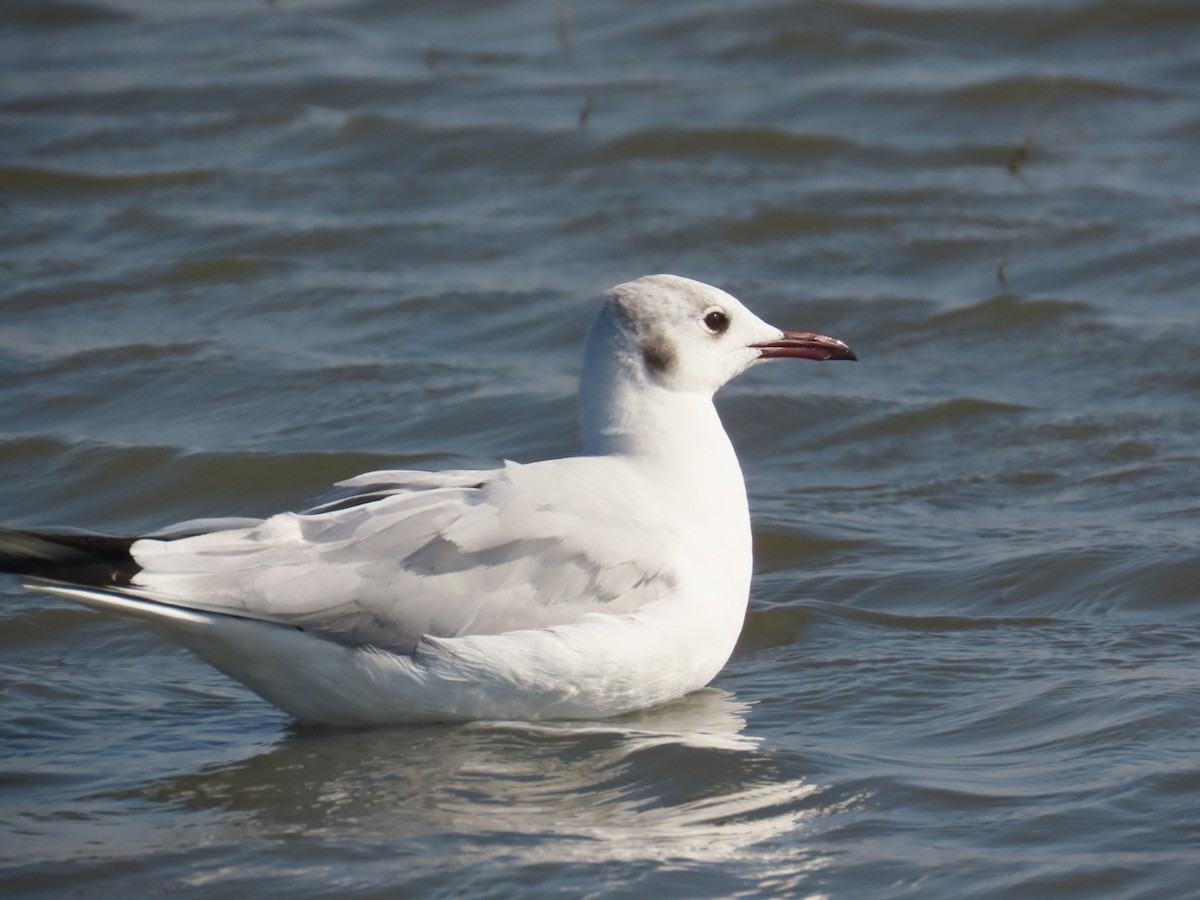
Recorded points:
525,546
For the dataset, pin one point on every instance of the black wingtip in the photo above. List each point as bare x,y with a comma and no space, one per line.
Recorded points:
72,557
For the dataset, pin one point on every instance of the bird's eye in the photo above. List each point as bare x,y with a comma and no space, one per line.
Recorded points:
716,321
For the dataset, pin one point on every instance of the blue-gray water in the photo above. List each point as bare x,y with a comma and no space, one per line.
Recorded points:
250,248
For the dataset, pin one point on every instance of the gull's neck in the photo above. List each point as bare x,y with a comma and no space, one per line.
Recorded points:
677,443
623,411
628,418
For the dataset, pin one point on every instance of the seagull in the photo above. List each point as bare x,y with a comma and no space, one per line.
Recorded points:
577,588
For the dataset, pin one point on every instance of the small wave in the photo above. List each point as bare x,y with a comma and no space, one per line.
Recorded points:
221,269
1006,311
784,625
102,359
1019,90
1031,25
42,623
147,486
1083,429
771,224
689,143
954,412
299,476
36,180
818,44
18,451
40,14
773,546
785,223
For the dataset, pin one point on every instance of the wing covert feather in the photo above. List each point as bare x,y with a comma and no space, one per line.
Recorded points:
442,554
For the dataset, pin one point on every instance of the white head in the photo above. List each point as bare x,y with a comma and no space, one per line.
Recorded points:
660,348
686,336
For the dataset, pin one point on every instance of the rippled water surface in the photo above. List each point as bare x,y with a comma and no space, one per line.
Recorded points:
251,248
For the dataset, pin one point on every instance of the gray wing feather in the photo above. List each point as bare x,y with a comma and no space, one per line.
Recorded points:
442,554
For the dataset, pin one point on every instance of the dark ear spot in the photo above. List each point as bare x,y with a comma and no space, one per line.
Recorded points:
659,356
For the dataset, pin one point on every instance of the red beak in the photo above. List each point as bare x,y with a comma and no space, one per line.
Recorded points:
805,345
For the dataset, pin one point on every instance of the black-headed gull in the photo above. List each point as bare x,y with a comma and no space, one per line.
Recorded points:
568,588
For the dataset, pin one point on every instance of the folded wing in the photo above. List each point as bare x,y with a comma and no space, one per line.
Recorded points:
410,554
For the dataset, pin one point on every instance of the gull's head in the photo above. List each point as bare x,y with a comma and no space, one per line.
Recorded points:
688,336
